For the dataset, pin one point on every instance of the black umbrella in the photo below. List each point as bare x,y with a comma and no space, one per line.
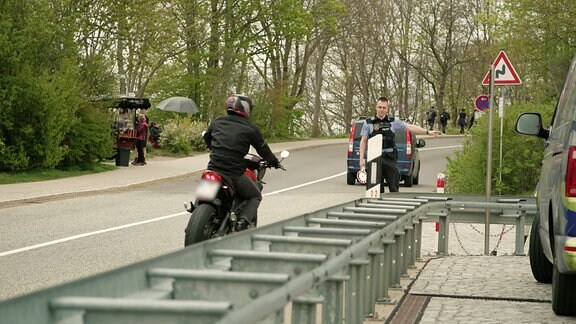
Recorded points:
179,105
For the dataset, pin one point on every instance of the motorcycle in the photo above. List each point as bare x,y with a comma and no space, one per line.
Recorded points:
216,210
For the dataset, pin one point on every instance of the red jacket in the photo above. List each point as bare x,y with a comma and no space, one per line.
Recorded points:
142,131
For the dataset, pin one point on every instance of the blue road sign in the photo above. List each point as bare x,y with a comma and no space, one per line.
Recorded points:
482,102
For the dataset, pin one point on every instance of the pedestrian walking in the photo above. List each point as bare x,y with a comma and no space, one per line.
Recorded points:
444,118
431,118
462,121
472,118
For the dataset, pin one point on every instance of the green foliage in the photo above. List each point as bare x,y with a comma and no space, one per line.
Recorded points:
182,136
42,124
541,35
13,158
521,155
89,140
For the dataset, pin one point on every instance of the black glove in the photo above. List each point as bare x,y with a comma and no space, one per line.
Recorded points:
275,164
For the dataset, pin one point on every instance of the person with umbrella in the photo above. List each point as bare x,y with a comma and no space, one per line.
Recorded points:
229,139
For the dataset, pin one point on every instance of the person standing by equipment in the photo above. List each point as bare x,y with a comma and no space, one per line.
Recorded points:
141,140
386,125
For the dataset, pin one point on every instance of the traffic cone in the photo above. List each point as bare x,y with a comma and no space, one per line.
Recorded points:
440,182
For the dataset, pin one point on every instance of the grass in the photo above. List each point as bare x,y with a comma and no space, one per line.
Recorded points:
49,174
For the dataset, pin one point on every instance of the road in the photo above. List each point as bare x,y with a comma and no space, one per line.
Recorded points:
54,242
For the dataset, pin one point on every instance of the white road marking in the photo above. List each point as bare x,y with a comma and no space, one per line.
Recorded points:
305,184
74,237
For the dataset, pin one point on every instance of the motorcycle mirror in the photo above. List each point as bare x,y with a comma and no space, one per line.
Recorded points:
284,154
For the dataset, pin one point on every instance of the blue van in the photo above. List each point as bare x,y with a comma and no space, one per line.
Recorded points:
552,248
408,157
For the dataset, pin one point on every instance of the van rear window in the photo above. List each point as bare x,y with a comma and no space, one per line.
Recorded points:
358,128
400,136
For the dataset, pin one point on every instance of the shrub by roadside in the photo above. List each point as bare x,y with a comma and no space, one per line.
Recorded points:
182,136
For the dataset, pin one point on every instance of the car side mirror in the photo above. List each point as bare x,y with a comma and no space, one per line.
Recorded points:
420,143
531,124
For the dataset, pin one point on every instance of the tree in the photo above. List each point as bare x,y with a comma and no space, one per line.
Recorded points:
42,91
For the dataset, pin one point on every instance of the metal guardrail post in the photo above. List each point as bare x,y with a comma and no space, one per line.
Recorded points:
399,271
304,309
520,234
355,295
333,292
383,296
373,279
408,251
418,235
443,233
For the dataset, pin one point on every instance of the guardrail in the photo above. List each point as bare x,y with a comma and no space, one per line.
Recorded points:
332,265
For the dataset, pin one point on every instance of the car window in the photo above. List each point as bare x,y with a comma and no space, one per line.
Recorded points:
567,101
400,136
358,128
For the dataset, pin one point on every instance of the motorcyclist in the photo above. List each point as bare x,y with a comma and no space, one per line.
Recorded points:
229,139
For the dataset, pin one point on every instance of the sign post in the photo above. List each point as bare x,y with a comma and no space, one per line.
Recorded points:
501,73
374,166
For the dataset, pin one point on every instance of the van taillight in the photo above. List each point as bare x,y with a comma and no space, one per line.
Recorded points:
571,173
351,140
408,144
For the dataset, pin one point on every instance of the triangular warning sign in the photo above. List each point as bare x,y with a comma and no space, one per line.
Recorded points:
504,73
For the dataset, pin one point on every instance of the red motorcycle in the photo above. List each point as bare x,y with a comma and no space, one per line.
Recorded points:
216,210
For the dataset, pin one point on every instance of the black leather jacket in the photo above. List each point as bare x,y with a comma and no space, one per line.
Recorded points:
229,139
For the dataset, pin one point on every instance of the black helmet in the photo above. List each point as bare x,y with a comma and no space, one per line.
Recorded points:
239,105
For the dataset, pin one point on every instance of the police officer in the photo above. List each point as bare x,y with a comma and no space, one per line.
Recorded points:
386,125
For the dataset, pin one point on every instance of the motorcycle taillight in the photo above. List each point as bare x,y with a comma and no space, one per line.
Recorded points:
251,174
212,176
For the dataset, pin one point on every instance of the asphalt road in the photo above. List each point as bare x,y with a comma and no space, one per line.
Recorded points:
82,236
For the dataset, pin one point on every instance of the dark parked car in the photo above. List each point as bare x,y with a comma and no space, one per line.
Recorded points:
553,236
408,157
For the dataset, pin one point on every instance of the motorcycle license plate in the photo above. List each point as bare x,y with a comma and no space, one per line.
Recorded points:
207,190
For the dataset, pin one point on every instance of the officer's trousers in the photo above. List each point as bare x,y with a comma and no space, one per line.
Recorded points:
390,173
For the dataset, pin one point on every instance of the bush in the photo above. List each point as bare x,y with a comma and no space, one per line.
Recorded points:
13,159
182,136
521,155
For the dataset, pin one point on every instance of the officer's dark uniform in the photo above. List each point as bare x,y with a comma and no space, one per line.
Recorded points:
390,171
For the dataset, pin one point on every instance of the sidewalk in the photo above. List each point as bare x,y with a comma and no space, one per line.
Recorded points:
474,289
124,177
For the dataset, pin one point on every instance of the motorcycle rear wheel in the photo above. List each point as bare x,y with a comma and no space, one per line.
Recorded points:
201,225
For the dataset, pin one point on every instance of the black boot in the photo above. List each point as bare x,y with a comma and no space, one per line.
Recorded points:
242,224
